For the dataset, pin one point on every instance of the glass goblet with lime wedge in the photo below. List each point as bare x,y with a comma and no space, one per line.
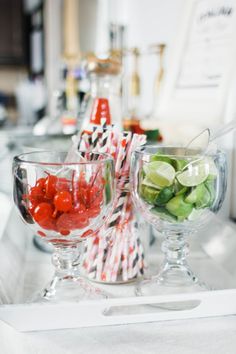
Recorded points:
176,190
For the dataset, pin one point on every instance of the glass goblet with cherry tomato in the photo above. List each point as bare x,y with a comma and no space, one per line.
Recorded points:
64,203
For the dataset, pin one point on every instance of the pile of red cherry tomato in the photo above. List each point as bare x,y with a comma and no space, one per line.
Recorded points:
63,205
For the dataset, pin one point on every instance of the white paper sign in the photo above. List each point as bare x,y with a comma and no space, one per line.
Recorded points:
202,66
208,45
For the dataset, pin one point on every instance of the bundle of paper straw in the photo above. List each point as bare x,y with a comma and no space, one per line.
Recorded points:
116,252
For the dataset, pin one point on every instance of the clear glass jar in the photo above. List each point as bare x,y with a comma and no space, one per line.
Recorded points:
104,99
193,188
116,254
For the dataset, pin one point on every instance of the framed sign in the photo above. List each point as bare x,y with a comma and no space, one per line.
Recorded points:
202,67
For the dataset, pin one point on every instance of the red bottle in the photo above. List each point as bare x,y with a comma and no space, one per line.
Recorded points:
104,100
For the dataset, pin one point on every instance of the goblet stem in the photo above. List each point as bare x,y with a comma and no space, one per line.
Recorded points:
66,261
67,283
175,270
175,275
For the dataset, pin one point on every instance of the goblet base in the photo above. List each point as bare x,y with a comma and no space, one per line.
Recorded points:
69,289
172,281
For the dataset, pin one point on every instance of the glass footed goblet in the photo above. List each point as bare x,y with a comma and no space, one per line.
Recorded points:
176,190
64,203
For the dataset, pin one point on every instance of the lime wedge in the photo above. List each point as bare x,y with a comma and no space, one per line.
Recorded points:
149,194
194,175
182,191
158,157
147,182
179,164
177,206
160,173
178,188
192,196
199,196
164,214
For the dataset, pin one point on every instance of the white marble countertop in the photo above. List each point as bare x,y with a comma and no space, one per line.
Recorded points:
215,335
205,336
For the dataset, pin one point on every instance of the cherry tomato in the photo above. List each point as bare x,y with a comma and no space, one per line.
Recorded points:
48,224
42,211
79,208
41,183
62,184
63,201
36,195
93,212
81,222
31,209
72,221
92,192
50,186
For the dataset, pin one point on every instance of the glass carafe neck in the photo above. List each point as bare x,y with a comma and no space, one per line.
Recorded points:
104,85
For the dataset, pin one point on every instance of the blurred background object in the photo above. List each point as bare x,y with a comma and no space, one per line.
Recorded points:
44,45
104,98
22,60
158,50
135,84
167,53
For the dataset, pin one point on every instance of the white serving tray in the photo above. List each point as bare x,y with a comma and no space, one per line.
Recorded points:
24,269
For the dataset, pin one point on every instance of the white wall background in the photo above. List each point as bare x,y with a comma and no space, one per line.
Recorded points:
148,22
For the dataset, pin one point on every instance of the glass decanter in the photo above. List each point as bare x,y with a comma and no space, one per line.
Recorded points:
104,98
